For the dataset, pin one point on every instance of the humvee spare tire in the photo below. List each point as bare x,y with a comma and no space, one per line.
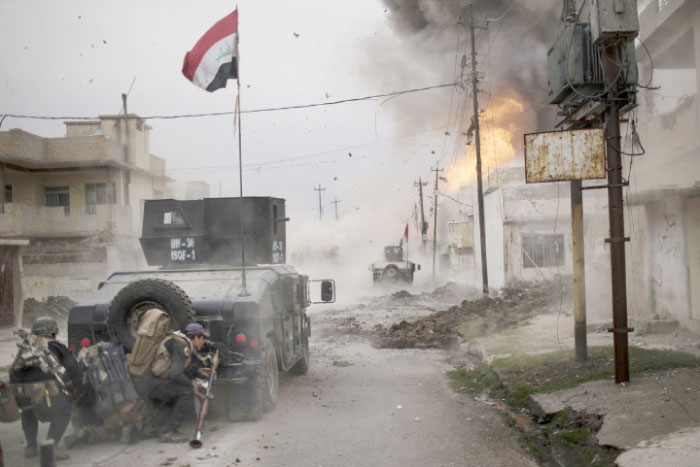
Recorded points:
142,295
391,272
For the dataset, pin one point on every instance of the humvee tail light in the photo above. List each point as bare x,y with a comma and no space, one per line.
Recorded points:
254,344
241,338
85,342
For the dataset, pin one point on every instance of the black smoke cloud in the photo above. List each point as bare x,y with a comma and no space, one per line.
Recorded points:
517,44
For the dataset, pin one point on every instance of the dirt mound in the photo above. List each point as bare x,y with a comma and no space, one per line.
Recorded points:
401,294
472,318
55,307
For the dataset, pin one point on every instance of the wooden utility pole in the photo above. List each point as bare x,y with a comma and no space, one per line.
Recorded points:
577,249
127,172
479,187
435,208
336,201
579,271
620,329
423,225
320,207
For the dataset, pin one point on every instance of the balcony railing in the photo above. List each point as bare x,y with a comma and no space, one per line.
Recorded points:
39,221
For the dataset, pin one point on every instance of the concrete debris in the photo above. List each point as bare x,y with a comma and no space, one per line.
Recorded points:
473,318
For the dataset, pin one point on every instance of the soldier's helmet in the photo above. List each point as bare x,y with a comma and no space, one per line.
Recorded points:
44,326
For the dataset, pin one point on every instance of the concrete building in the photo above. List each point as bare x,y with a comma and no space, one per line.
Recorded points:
528,230
77,202
187,190
665,182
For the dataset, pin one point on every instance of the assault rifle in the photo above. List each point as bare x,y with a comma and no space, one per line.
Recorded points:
205,397
35,353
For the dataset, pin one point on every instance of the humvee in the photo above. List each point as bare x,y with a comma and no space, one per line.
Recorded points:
258,321
393,268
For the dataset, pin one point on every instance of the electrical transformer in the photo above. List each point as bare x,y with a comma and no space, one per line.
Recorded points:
613,19
574,67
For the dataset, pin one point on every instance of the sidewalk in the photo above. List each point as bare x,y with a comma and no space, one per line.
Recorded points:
655,418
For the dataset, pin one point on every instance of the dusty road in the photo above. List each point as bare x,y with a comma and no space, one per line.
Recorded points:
357,406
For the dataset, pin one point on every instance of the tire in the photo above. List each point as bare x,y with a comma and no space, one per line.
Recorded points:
244,402
391,273
268,377
139,296
302,366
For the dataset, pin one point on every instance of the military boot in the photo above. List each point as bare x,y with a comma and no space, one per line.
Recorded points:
128,434
77,437
31,451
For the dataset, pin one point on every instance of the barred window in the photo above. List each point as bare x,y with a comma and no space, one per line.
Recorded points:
543,250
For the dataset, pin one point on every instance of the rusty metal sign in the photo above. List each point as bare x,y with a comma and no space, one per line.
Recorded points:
555,156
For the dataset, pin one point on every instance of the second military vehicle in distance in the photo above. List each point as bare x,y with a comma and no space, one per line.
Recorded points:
393,269
257,320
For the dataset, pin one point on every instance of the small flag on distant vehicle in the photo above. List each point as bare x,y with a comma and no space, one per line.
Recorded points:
214,58
404,239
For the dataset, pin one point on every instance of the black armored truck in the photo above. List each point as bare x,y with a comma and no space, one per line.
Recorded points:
256,316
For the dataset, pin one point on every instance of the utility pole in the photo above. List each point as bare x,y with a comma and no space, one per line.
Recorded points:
479,187
435,207
577,250
320,207
620,329
423,225
127,172
579,271
336,201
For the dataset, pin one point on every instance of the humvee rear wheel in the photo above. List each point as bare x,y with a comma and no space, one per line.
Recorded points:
269,378
244,402
139,296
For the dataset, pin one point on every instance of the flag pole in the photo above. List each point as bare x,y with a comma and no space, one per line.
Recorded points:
244,291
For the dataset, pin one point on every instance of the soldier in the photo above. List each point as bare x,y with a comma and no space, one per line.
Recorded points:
168,385
42,375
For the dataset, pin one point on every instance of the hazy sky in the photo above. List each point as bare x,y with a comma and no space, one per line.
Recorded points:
75,58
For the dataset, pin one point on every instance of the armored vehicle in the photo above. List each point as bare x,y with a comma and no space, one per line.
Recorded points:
393,268
260,326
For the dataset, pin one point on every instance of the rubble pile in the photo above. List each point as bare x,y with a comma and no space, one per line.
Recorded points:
445,329
56,307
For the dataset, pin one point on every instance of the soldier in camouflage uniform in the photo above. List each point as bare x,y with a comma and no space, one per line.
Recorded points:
40,395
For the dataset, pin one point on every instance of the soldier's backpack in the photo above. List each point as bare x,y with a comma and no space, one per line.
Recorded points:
108,375
153,328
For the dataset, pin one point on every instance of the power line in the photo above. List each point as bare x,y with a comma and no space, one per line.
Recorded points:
218,114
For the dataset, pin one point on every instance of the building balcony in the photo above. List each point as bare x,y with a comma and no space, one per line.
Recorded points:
34,152
105,220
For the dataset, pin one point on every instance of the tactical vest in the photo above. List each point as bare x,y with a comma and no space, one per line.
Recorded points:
161,362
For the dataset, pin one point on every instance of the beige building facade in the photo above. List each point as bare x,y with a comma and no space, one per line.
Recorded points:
77,202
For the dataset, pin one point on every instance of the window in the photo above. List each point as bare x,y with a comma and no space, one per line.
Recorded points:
58,196
8,197
543,251
95,193
112,195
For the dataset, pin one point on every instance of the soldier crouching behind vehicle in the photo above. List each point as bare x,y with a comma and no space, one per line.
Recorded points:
43,374
168,385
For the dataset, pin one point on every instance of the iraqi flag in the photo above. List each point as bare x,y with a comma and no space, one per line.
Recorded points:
214,58
404,239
